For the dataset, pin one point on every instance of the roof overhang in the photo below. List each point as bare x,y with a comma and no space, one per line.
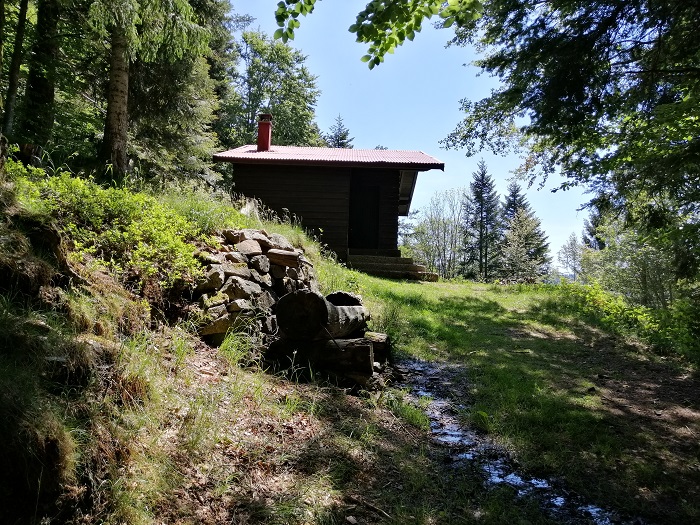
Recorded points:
337,157
407,185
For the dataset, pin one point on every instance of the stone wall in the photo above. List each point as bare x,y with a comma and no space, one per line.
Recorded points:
245,277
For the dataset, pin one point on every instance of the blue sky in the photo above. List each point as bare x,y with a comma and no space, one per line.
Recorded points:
410,102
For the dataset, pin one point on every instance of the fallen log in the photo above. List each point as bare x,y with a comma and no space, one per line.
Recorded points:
307,315
347,357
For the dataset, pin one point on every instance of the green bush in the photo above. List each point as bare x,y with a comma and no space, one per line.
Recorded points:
133,233
676,329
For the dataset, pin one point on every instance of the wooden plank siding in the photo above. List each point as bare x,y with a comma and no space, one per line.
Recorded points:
318,196
386,183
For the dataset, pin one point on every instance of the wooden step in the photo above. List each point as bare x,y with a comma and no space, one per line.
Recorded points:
378,259
370,267
374,252
391,267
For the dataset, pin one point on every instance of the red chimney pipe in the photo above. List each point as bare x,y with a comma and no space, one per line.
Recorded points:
264,132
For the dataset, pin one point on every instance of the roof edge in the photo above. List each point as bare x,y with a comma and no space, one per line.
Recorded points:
266,160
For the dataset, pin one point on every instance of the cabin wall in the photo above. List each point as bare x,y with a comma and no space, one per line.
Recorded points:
346,208
318,196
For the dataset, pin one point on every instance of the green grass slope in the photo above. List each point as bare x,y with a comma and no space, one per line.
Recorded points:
113,411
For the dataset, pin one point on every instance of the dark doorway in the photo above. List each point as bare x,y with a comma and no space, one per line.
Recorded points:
364,213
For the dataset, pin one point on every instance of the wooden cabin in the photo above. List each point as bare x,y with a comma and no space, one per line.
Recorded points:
350,198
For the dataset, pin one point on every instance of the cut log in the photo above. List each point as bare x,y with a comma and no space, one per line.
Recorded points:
382,346
349,357
307,315
344,321
301,314
341,298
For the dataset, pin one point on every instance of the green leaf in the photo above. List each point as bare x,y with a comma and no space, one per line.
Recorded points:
366,58
278,34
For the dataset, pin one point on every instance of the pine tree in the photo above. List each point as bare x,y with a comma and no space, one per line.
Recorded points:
590,236
481,228
339,135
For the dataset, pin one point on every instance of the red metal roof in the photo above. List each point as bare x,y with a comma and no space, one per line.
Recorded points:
307,156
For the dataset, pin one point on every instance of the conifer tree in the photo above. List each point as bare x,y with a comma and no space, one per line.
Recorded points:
339,135
524,252
481,228
513,201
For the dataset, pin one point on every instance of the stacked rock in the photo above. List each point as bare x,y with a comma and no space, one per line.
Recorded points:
244,278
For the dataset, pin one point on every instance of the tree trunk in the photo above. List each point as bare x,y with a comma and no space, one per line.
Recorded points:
2,41
15,63
116,122
306,315
40,93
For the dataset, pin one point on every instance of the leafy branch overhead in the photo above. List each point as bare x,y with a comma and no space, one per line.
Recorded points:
384,24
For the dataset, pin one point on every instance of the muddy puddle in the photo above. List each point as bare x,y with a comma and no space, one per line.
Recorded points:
469,449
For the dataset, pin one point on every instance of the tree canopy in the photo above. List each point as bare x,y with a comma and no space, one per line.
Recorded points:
272,78
604,92
383,24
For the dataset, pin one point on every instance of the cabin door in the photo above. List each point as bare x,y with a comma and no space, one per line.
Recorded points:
364,213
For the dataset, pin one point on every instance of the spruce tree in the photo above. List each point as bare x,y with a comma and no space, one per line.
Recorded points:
339,135
513,201
524,252
481,227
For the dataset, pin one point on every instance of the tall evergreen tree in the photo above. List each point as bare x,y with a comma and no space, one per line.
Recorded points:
339,135
15,64
145,30
481,226
524,253
591,236
39,110
513,201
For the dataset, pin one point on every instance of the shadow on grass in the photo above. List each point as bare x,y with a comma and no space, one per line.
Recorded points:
383,471
571,400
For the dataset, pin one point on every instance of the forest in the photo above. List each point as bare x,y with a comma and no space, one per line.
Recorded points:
578,368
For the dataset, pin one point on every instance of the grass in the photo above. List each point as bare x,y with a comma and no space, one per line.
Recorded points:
567,399
153,426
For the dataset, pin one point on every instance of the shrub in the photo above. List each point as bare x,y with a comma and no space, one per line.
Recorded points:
675,329
135,235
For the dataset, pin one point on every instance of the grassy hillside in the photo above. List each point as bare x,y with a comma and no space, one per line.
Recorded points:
113,410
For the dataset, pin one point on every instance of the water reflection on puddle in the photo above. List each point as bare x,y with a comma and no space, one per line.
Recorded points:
428,381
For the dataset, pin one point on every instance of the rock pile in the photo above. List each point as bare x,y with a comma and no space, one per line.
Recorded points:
244,279
255,278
